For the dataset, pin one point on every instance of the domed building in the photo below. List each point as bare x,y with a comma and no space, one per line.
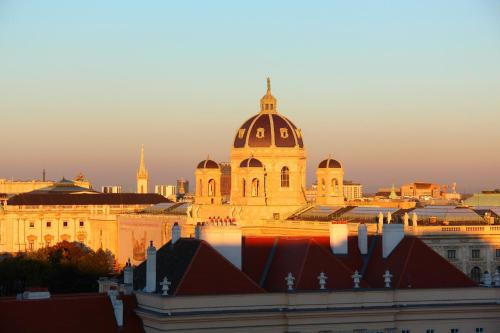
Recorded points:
268,171
273,141
330,176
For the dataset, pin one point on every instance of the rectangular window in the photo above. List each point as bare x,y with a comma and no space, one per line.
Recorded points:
49,224
405,331
429,330
65,224
82,224
454,330
476,253
479,330
32,224
452,254
497,253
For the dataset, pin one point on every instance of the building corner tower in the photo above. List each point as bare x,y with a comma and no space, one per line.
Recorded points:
142,175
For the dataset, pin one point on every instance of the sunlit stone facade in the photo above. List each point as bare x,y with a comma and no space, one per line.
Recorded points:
268,173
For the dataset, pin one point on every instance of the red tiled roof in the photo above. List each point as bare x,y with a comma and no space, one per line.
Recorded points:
195,268
209,273
33,199
305,258
67,313
414,265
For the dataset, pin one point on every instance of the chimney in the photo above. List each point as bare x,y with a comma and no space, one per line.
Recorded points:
197,231
406,219
128,277
338,237
363,238
176,233
414,220
392,234
117,306
226,239
36,293
151,269
380,222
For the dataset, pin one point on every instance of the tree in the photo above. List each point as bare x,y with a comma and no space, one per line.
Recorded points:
63,268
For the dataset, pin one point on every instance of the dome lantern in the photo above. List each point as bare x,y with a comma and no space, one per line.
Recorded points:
268,101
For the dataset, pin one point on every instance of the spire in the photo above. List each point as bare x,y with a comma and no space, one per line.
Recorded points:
142,175
142,172
268,101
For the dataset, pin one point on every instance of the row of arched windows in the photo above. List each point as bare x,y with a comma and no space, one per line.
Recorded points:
476,275
254,188
334,186
211,188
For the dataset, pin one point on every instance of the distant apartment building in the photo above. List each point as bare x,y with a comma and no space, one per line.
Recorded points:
182,186
166,190
111,189
421,190
352,191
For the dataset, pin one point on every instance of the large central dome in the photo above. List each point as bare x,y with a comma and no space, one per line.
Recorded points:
268,128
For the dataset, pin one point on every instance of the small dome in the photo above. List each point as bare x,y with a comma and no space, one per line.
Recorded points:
251,163
208,164
330,163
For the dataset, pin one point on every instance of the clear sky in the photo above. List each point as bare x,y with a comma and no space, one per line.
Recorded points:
396,90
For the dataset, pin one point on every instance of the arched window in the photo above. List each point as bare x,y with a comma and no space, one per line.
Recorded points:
255,187
201,188
48,240
285,177
335,185
323,185
211,188
243,188
475,274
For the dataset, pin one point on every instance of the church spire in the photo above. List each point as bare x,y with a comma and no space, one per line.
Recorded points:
268,101
142,175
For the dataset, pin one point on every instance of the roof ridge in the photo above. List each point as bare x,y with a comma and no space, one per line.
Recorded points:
205,243
367,257
306,253
269,262
405,265
186,271
340,262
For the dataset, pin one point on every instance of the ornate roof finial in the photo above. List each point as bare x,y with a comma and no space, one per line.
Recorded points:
268,102
289,281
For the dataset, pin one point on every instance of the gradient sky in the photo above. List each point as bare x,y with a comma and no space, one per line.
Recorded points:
397,90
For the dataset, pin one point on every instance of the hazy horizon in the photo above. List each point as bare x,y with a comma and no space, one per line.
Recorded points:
398,92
